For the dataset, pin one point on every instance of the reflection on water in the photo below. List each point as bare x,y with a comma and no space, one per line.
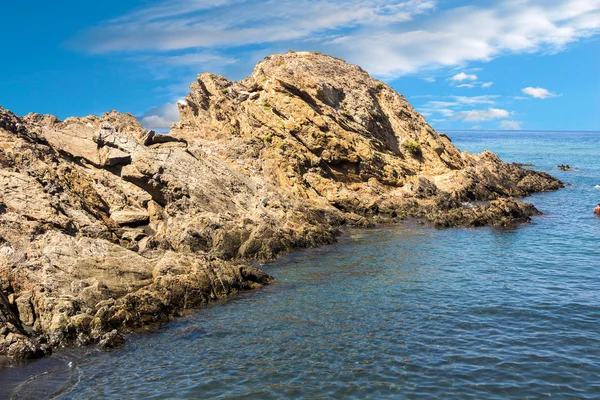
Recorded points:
394,312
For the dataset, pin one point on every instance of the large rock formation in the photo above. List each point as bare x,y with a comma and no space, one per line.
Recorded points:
106,227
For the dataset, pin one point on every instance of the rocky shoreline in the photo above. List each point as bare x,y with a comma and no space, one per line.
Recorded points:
106,227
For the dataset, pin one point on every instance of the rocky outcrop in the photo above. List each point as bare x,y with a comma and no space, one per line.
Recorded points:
106,227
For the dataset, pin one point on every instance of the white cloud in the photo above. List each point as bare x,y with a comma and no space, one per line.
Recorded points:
482,115
377,34
487,85
188,59
429,80
160,117
510,125
191,24
485,99
464,77
451,106
445,112
461,101
441,104
538,93
466,85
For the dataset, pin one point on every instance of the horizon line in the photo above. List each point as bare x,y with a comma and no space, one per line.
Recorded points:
517,130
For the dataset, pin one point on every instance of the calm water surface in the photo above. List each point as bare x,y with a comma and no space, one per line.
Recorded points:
405,311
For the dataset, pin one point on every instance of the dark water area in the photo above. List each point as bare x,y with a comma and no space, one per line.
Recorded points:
404,311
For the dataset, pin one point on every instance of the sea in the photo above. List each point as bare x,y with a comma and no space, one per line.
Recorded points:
395,312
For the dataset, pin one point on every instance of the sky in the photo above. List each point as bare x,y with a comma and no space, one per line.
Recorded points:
497,65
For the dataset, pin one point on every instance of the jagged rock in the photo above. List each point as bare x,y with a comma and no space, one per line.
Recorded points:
565,168
106,227
111,340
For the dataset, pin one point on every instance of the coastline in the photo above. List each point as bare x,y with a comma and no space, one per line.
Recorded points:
128,228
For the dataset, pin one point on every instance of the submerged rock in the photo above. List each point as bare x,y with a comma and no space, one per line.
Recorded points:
106,227
565,168
524,164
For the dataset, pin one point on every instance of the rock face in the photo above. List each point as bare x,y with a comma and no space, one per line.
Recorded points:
106,227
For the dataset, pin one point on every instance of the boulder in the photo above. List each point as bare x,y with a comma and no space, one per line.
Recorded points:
130,217
111,340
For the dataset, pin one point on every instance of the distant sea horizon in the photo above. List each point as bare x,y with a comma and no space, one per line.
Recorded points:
519,130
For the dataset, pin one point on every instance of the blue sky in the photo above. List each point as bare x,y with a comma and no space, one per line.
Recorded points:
512,64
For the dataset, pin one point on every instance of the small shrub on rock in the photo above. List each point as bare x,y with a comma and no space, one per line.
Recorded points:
411,146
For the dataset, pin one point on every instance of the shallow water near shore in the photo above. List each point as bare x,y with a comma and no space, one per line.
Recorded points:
404,311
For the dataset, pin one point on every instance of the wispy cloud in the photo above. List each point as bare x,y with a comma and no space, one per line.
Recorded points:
439,111
510,125
447,38
485,99
376,34
186,24
453,106
487,85
192,59
459,101
482,115
539,93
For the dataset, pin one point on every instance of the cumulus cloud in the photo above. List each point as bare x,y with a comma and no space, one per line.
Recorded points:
482,115
510,125
377,34
538,93
160,117
464,77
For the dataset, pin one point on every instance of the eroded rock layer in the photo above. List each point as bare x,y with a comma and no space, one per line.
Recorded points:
106,227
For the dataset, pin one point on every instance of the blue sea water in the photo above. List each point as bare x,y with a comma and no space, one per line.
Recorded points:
404,311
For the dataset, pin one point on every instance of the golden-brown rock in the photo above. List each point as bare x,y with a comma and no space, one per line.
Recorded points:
106,227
